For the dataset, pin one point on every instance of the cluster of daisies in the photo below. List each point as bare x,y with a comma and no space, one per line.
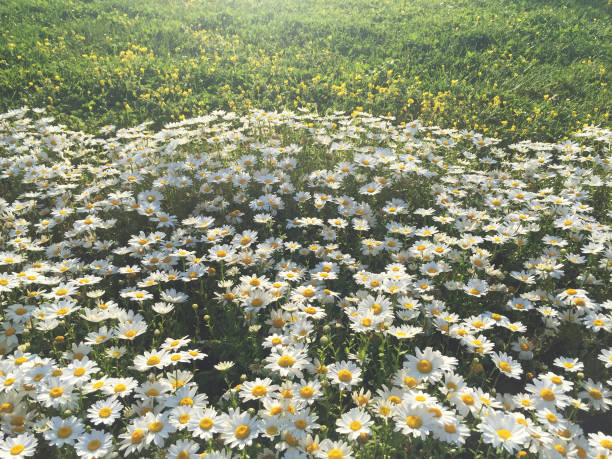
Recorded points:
395,287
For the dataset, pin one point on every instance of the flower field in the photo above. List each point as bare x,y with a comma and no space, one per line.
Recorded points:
289,284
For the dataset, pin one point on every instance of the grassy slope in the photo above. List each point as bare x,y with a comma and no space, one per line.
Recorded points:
516,68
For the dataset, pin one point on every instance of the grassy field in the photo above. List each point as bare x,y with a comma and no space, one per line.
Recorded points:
512,69
348,230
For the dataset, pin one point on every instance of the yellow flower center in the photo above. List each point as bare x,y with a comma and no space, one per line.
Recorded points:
136,436
547,395
594,393
300,424
503,433
504,366
414,422
424,366
79,371
355,425
17,449
93,445
242,431
104,412
120,388
153,360
607,444
64,432
286,361
345,376
156,426
334,454
56,392
259,391
206,423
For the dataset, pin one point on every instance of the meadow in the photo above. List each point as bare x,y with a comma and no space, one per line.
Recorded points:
515,69
256,229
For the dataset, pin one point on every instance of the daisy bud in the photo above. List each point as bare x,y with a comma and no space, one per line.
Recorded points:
194,306
324,340
68,412
206,317
324,428
251,411
580,375
243,377
157,332
326,329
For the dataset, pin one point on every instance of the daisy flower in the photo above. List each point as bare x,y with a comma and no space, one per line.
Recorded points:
121,387
23,445
329,449
502,430
606,357
569,364
476,287
345,374
354,423
63,431
598,397
183,449
428,365
239,429
133,439
288,362
301,422
547,395
308,391
56,393
452,431
153,359
158,428
507,365
415,420
94,444
205,424
600,444
254,390
105,411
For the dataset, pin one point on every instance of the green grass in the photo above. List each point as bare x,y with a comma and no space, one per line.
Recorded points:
517,69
